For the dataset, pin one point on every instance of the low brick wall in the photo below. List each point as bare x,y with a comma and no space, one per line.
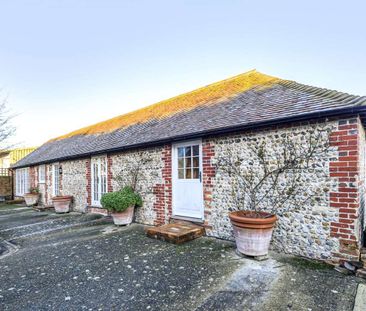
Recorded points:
6,186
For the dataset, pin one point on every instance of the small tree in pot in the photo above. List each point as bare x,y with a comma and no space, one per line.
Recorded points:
121,204
268,180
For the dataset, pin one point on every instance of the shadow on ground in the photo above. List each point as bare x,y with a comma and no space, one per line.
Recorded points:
83,262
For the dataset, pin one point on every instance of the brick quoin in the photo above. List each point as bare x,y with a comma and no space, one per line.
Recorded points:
208,174
49,199
33,176
346,171
167,177
88,182
163,192
109,173
46,186
159,204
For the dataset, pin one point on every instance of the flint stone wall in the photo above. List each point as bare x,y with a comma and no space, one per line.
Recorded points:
150,164
307,230
302,230
74,182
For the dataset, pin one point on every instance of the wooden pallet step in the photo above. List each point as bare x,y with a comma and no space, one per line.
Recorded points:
176,233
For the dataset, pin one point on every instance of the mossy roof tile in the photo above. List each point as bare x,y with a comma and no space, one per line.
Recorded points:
249,98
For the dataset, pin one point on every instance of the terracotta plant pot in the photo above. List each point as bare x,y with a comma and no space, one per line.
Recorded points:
62,203
123,218
31,198
252,231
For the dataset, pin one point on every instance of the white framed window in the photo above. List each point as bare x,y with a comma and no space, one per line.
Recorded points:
42,174
189,162
55,179
21,181
99,179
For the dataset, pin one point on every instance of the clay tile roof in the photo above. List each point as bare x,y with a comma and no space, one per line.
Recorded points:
247,99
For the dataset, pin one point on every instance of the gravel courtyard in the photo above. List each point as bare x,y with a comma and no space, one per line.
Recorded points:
83,262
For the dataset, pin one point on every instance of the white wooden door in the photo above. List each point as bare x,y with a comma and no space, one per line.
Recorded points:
99,179
187,179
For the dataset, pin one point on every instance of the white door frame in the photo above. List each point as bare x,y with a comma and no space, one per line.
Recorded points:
56,179
175,177
98,160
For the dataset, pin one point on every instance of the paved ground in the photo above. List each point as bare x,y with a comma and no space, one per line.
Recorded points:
74,262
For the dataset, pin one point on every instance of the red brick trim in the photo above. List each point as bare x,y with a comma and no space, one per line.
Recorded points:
88,181
167,177
345,170
50,185
159,204
163,192
109,173
208,174
46,185
33,176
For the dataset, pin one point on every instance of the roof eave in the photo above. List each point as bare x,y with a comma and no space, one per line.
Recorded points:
355,110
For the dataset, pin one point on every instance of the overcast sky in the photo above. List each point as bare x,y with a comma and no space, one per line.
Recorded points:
67,64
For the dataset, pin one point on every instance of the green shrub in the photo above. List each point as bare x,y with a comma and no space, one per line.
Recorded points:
34,190
119,201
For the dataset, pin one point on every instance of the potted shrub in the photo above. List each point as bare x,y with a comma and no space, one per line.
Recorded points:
121,204
31,198
267,180
62,203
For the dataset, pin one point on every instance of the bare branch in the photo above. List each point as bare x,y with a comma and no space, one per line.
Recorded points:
7,130
272,177
136,169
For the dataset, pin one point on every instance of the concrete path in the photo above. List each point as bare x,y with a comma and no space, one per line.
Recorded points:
360,301
83,262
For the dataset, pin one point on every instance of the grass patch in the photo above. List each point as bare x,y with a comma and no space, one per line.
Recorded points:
306,263
5,206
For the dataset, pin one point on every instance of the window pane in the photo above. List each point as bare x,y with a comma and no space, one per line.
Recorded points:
181,174
180,163
57,179
42,173
103,185
95,190
196,173
96,186
195,150
188,151
181,152
102,168
188,173
196,162
188,162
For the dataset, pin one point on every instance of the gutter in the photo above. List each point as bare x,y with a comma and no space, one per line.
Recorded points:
356,110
